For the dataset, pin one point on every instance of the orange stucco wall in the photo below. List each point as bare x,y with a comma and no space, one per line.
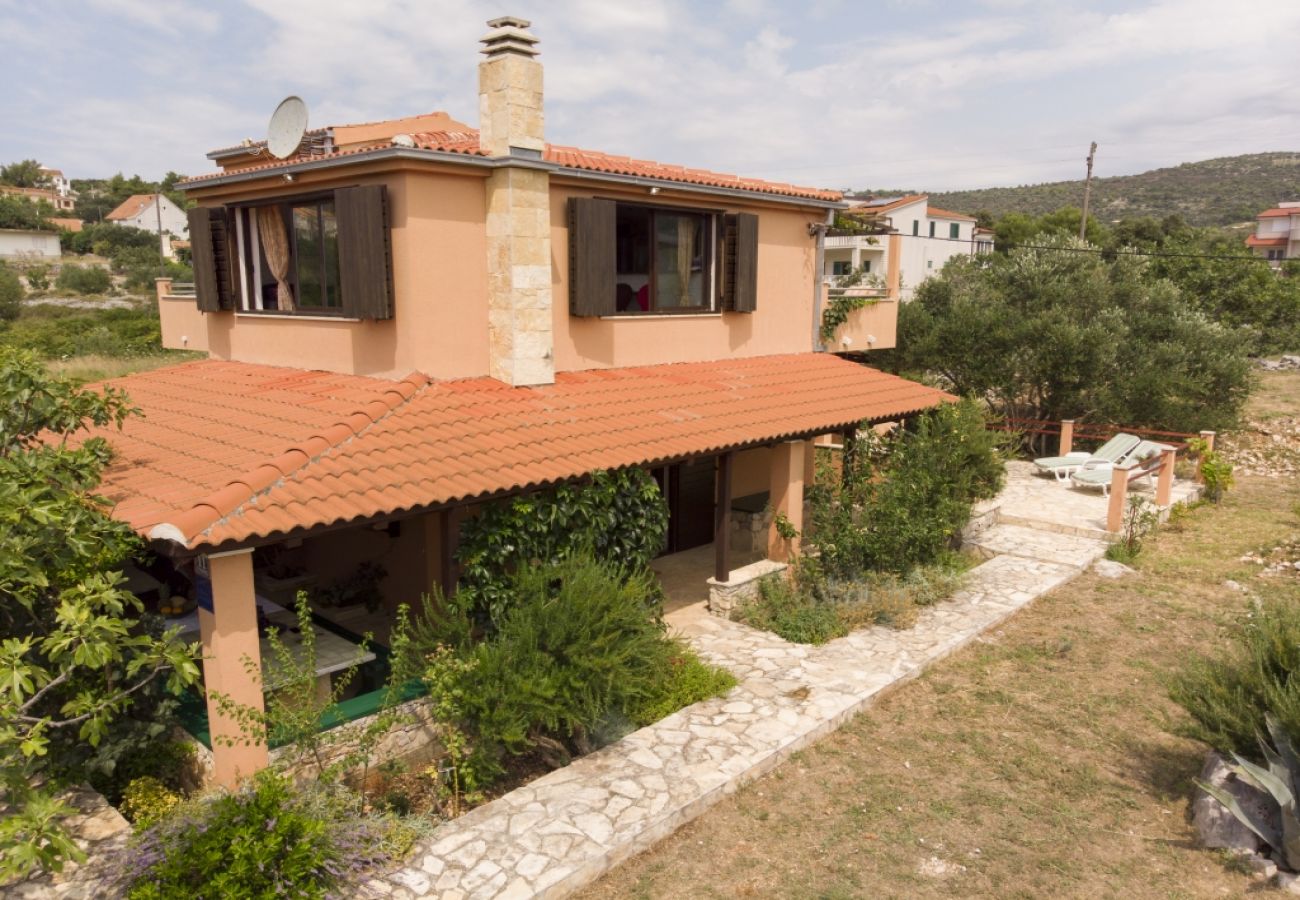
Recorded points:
781,324
440,275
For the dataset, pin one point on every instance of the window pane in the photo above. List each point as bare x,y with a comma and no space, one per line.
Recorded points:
330,235
679,261
632,259
307,243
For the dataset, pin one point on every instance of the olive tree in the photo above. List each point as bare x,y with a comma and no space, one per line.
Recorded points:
74,654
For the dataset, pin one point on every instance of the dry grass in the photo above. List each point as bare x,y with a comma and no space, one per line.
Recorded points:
97,368
1041,758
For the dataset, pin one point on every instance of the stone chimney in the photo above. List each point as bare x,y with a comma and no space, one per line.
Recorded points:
520,329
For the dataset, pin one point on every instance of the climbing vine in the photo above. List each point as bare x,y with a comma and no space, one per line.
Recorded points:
839,306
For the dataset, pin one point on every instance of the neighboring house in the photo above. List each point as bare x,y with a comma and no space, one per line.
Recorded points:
1277,233
21,243
905,241
59,183
411,318
37,194
152,212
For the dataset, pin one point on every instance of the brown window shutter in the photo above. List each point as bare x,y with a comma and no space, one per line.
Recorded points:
742,255
365,252
210,256
592,290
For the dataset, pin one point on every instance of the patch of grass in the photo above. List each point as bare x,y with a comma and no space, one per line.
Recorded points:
1056,726
96,367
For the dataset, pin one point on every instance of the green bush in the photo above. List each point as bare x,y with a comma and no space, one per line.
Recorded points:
55,332
11,294
620,516
84,279
146,800
782,608
267,839
1229,695
683,680
38,277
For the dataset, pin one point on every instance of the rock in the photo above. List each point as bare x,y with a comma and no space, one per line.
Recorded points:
1262,867
1289,882
1108,568
1218,828
1234,586
934,867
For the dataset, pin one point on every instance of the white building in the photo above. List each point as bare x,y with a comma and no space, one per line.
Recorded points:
153,212
926,237
22,244
1277,233
58,182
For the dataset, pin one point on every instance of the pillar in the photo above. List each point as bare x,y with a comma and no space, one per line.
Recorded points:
722,519
1118,499
232,664
786,497
1165,480
162,287
893,278
1208,437
1067,437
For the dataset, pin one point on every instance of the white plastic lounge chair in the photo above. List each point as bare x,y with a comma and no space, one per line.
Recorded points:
1143,462
1115,450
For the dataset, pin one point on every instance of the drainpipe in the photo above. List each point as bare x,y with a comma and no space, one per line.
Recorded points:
819,266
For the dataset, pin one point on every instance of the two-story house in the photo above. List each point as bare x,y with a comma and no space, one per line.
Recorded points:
408,319
1277,233
902,240
152,212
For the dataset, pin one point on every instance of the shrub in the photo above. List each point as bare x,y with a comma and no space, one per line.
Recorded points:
11,294
619,516
267,839
55,332
683,680
1213,467
38,277
84,279
1140,518
146,800
785,610
1229,696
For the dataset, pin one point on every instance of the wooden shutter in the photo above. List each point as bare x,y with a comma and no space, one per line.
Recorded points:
365,252
210,254
740,263
592,224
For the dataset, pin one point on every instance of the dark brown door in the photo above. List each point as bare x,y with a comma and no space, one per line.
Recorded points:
690,504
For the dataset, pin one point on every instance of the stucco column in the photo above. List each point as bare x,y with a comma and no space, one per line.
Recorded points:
893,279
786,497
1067,437
1118,499
232,664
1165,480
162,287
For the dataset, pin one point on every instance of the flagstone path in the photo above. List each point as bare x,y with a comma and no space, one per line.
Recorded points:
562,831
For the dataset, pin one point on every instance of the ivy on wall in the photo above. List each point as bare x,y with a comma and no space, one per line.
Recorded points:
621,516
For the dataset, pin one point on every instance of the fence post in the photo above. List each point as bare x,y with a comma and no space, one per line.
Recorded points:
1067,437
1118,499
163,287
1165,482
1208,437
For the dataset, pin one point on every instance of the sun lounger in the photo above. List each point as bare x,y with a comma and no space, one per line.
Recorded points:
1115,450
1143,462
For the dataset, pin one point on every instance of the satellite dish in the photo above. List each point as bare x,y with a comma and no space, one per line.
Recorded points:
288,125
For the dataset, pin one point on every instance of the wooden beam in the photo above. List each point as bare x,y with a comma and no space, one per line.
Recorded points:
722,519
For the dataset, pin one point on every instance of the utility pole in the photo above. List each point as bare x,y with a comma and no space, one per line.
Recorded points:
162,257
1087,189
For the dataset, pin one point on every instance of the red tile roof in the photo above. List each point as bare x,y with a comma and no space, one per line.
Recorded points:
227,452
131,207
1279,211
1254,241
467,142
938,213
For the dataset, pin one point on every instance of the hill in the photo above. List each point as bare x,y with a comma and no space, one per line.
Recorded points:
1225,191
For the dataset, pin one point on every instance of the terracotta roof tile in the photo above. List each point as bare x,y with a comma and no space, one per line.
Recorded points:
1279,211
938,213
270,450
1255,241
467,143
131,207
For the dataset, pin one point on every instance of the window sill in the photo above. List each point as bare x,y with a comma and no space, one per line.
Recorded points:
301,317
658,317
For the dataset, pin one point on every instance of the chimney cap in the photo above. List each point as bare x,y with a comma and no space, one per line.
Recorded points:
509,34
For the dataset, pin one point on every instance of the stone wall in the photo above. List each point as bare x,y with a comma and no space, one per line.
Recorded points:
725,596
101,832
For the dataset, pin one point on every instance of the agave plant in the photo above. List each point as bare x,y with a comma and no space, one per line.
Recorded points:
1278,780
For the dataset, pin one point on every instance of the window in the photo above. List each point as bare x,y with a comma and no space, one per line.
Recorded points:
954,231
931,229
324,255
1276,253
916,227
632,259
663,260
841,267
866,265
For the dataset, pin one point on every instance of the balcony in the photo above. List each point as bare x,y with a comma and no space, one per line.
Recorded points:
873,326
849,241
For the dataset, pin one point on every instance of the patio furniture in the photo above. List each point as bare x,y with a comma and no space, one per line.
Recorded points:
1143,462
1115,450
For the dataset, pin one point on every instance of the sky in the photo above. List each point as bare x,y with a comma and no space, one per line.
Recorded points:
924,94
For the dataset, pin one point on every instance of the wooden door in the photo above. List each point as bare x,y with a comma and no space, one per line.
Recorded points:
690,504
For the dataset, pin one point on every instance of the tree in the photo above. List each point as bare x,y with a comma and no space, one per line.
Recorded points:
1064,333
20,213
25,173
11,294
75,658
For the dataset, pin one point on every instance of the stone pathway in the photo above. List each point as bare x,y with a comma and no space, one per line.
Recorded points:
562,831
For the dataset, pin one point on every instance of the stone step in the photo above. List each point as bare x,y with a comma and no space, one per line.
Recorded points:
1073,550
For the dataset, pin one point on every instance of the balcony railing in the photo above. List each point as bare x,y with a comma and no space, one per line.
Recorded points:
182,289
